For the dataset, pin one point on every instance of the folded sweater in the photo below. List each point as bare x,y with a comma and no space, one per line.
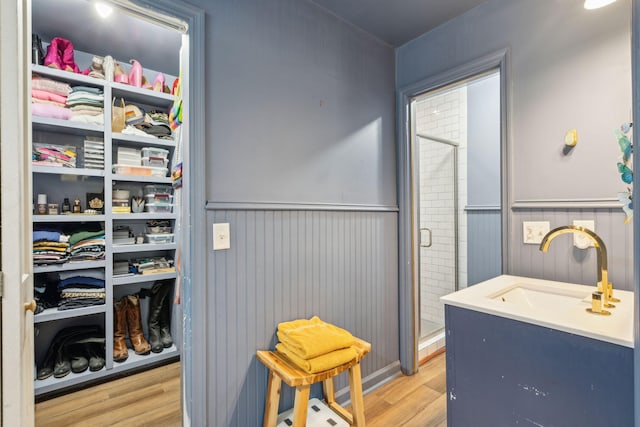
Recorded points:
314,337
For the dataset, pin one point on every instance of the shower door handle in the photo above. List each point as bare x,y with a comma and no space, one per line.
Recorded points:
426,245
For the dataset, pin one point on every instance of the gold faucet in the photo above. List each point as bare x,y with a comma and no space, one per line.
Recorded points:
604,286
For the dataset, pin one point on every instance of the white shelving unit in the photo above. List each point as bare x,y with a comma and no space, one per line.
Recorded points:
61,182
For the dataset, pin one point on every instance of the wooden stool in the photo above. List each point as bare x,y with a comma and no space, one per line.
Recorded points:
282,369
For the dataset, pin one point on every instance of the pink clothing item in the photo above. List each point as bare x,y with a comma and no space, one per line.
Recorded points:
42,101
52,111
52,86
48,96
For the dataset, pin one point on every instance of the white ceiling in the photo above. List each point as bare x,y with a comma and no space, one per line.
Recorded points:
397,21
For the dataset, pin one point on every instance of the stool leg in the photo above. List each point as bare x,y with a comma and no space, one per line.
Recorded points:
355,390
273,398
301,405
328,391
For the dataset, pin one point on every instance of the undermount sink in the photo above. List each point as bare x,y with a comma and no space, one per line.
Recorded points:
541,297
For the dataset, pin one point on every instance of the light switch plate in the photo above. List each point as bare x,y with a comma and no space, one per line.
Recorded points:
534,231
579,240
221,236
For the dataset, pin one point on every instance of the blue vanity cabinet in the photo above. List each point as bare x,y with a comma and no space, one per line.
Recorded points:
505,373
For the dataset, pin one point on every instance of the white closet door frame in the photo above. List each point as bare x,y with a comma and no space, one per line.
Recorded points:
15,213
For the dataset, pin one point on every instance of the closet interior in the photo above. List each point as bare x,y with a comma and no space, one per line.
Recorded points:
107,159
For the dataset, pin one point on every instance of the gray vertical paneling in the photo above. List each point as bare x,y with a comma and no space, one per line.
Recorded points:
484,246
564,262
282,265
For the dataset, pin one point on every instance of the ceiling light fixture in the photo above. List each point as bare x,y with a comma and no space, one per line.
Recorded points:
595,4
104,10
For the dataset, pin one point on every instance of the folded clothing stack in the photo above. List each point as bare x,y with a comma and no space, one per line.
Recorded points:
53,155
86,245
314,345
49,98
50,247
86,104
81,288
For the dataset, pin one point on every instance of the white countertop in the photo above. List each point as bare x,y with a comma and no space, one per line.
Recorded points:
616,329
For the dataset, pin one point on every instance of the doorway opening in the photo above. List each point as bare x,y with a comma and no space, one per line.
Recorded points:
456,136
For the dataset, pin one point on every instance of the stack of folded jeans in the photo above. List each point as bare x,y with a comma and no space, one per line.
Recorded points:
314,345
81,288
73,349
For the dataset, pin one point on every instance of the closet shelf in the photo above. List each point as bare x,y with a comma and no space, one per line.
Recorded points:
52,383
145,247
136,178
68,266
66,126
55,314
133,94
143,140
143,216
67,76
142,278
55,170
68,218
132,362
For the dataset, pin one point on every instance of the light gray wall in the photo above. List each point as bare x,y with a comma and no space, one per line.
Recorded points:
300,160
483,142
569,68
301,106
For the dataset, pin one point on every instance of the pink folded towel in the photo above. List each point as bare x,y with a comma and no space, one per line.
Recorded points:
46,110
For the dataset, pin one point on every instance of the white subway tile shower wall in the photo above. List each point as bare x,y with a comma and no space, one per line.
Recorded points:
444,116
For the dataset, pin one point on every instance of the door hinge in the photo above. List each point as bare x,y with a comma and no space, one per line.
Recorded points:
1,284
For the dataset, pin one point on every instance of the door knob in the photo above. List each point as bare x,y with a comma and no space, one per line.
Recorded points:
31,306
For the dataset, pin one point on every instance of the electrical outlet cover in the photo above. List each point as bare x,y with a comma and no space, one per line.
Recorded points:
534,231
580,241
221,236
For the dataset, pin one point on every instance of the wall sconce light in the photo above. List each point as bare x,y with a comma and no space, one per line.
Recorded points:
595,4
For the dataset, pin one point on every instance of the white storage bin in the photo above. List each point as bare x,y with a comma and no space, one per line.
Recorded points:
159,238
158,207
158,188
155,162
159,229
158,198
154,152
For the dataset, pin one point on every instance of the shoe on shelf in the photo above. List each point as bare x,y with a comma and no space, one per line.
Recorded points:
159,293
119,76
135,74
108,67
120,352
96,356
158,83
134,321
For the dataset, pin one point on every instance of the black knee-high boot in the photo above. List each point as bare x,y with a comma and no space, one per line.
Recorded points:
158,296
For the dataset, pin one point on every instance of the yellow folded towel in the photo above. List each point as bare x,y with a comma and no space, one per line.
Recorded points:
314,337
320,363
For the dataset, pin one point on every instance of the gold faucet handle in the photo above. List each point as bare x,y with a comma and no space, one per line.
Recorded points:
596,304
610,293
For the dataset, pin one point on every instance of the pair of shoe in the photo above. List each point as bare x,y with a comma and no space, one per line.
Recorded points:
60,55
126,313
160,317
73,349
136,78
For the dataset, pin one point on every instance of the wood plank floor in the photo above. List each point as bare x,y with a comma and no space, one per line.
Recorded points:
152,398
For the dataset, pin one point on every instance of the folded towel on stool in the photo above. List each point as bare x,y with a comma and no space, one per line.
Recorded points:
320,363
313,338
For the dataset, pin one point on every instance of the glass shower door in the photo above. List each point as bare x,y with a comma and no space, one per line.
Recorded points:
438,223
